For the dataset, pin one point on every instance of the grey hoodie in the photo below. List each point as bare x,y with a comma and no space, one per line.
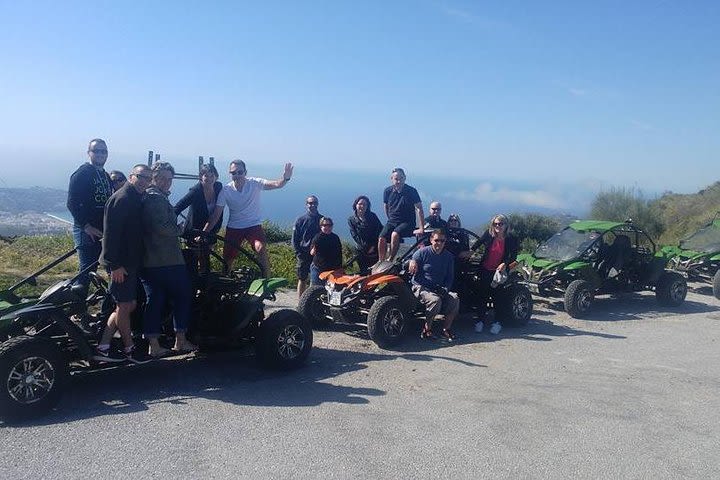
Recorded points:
161,232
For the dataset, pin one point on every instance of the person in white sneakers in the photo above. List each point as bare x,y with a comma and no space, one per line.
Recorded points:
501,250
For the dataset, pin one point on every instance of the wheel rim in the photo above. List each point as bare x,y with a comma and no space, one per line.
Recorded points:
393,322
290,342
520,306
584,300
677,291
30,380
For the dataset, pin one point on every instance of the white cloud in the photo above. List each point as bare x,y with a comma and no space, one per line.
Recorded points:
487,193
577,92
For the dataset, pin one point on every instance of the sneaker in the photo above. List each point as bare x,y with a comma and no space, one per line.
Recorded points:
495,328
448,335
138,356
479,326
109,355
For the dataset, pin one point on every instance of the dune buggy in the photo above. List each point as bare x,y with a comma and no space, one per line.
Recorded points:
698,256
385,302
590,258
41,345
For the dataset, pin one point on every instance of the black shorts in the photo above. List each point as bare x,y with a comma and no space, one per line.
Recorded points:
404,229
303,265
126,291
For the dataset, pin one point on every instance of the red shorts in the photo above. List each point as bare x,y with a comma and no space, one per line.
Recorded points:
235,236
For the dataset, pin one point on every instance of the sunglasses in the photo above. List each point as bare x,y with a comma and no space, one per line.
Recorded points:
312,203
438,240
99,150
144,177
326,224
498,224
438,208
237,172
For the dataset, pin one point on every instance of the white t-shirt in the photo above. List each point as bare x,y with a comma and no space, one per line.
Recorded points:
244,204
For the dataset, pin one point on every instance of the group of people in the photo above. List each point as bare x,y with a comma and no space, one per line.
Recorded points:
318,249
130,227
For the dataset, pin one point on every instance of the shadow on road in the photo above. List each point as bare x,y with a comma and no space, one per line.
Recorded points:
229,377
635,307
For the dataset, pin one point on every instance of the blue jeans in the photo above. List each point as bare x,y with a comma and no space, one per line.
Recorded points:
88,253
162,285
315,276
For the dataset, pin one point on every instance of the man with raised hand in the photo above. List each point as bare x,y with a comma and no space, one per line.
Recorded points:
242,197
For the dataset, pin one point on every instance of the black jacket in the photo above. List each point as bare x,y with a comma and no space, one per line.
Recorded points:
198,213
88,191
305,229
511,247
365,232
122,241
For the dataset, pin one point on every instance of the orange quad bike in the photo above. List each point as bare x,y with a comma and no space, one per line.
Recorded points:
383,300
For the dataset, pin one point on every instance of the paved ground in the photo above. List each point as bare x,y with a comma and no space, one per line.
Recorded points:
632,393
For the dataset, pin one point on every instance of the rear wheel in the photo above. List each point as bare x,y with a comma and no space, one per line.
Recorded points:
515,306
716,284
671,289
33,374
578,298
386,321
284,340
311,306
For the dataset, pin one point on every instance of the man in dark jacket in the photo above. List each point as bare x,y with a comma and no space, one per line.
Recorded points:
89,189
122,254
305,229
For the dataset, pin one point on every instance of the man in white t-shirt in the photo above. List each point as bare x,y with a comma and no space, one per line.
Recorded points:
242,197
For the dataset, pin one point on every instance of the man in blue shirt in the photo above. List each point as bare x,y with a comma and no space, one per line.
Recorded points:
402,207
433,270
305,229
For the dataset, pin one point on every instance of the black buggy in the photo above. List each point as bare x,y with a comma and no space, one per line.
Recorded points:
40,346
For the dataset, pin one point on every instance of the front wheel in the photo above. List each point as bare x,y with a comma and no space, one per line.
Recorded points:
716,284
311,306
284,340
671,289
578,298
515,306
386,321
33,374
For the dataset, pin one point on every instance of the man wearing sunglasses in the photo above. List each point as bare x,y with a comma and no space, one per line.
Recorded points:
433,271
434,220
305,229
89,189
242,197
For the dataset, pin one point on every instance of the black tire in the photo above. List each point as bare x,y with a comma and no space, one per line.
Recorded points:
311,307
284,340
671,289
578,298
515,306
387,321
33,375
716,284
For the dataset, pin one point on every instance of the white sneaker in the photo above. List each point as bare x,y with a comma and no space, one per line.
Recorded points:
495,328
479,326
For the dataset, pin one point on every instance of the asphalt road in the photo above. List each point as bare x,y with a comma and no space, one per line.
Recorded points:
631,393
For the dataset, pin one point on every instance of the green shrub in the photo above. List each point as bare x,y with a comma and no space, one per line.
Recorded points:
620,204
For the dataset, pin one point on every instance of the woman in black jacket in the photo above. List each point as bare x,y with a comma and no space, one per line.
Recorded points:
365,227
201,199
501,250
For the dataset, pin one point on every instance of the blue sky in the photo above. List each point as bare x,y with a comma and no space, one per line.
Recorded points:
526,101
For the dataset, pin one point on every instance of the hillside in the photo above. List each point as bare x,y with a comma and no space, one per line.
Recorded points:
34,199
682,214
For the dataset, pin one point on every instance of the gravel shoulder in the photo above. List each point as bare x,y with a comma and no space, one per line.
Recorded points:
630,393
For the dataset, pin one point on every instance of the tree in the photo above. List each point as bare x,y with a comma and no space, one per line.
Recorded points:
621,204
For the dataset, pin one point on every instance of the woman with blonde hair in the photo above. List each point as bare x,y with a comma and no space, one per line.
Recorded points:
501,250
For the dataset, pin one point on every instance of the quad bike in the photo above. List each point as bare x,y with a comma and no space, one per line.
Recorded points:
384,300
41,346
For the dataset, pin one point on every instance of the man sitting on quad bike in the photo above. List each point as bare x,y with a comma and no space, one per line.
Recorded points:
433,273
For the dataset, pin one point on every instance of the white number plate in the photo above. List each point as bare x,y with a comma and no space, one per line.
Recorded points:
335,298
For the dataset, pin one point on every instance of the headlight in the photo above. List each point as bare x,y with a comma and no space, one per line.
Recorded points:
357,288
